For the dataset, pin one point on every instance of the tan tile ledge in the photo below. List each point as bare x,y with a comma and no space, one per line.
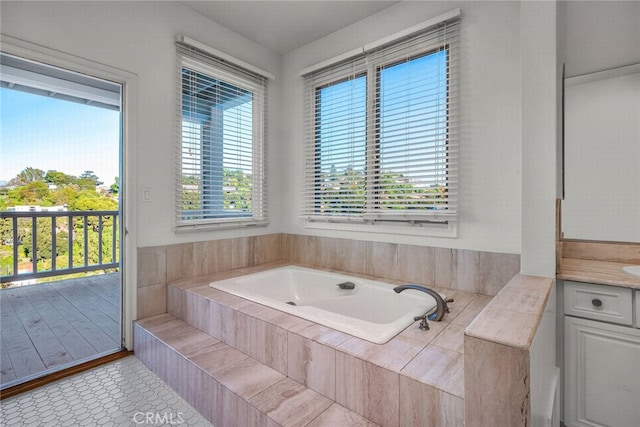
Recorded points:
513,316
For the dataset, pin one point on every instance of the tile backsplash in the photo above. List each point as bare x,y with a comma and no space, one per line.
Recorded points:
461,269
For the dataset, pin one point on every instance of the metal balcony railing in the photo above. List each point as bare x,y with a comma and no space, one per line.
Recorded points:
95,250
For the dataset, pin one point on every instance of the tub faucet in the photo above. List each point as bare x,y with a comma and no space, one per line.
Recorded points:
441,304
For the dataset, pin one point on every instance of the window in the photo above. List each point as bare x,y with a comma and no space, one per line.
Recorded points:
221,178
382,133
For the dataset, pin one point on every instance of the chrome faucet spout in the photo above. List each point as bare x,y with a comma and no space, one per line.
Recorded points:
441,303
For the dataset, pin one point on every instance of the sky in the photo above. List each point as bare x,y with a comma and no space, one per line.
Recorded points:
52,134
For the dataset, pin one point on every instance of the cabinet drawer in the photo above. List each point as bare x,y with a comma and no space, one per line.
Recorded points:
598,302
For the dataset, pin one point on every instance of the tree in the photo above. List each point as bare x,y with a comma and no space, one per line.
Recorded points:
65,195
59,178
88,200
88,179
27,176
33,193
43,240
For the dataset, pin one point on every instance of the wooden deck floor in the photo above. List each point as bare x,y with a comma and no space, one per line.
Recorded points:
52,325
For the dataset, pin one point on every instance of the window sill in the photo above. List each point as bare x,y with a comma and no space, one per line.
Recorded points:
189,228
448,230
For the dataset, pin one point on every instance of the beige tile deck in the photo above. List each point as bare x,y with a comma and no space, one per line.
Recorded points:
440,368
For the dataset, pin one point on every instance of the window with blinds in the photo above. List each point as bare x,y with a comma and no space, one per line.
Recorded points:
382,132
221,178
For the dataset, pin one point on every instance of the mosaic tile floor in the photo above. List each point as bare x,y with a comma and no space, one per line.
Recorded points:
121,393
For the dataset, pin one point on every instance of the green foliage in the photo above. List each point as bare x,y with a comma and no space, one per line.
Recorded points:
6,260
238,190
59,178
115,187
344,191
32,187
65,195
43,241
88,200
33,193
88,180
6,231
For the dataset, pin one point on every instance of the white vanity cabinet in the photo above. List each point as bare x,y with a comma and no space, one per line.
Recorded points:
602,356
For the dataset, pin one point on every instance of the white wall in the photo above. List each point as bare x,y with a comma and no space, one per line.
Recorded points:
138,37
540,83
490,144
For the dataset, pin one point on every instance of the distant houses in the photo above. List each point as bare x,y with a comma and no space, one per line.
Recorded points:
34,208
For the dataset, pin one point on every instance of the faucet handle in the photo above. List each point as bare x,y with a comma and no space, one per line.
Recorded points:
446,307
424,326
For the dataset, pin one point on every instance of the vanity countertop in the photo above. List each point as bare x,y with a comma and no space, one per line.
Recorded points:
600,272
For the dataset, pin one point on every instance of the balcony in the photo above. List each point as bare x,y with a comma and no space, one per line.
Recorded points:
56,324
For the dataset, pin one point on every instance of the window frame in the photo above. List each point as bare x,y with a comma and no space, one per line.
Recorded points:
441,224
245,80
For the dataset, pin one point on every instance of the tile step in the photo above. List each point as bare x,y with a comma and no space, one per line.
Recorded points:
227,386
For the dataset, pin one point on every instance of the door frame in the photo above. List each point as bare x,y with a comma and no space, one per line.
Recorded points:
129,82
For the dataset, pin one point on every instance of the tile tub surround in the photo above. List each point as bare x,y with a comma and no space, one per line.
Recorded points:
378,382
461,269
158,265
399,368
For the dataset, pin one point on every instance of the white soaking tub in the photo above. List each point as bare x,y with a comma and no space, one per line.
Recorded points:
371,310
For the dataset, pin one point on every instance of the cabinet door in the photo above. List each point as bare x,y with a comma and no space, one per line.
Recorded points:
602,374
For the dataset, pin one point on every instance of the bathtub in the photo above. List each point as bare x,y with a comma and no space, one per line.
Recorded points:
371,310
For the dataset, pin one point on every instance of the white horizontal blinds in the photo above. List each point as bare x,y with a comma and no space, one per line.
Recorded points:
221,141
336,150
382,132
414,173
